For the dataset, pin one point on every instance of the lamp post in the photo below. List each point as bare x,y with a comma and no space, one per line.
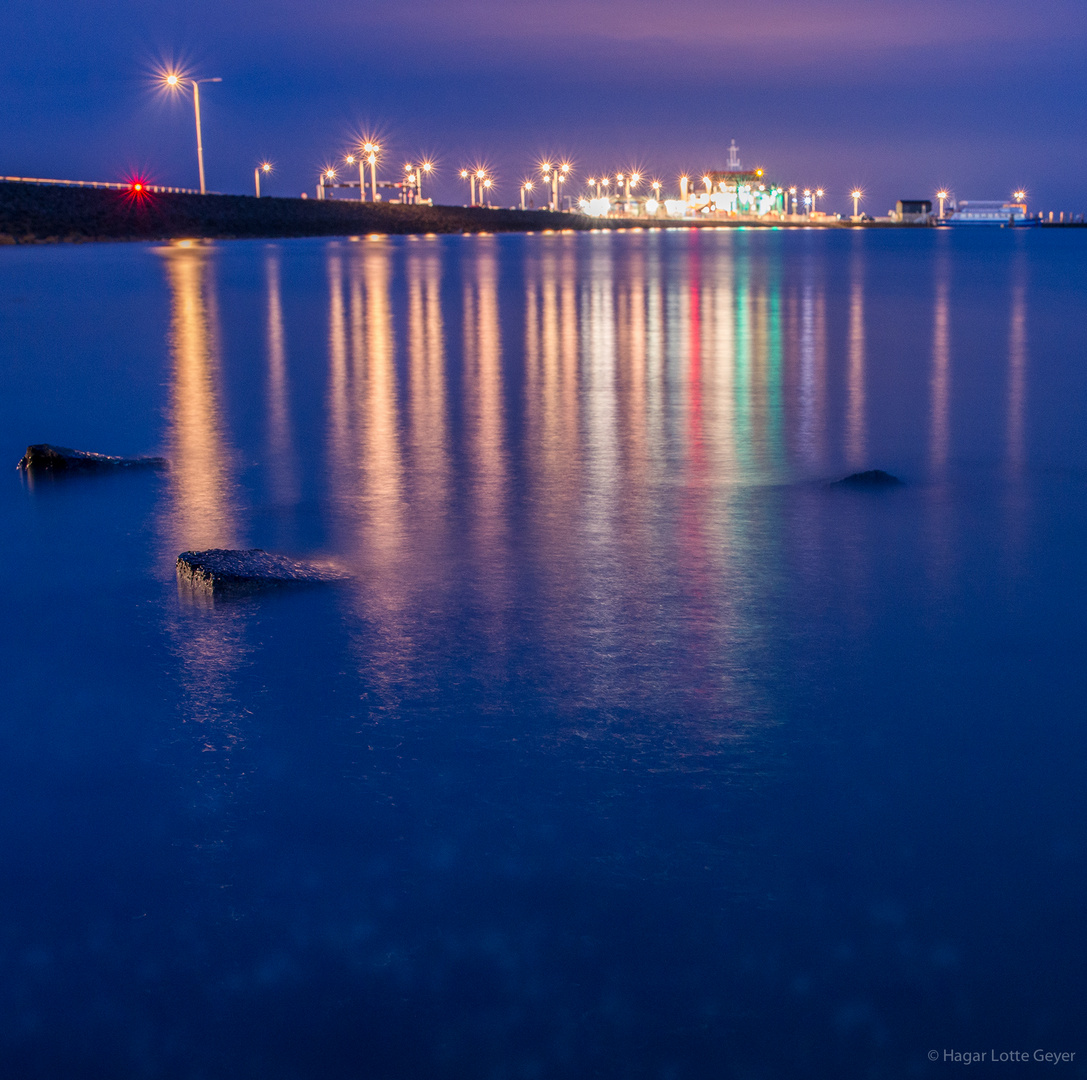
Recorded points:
264,167
350,160
371,150
818,194
424,168
807,202
943,197
486,186
792,196
466,175
175,81
656,186
526,186
855,195
1020,197
323,181
683,182
481,175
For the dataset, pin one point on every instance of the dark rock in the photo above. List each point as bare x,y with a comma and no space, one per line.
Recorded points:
873,478
225,571
43,458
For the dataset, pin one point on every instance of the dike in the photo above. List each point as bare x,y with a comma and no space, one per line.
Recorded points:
32,213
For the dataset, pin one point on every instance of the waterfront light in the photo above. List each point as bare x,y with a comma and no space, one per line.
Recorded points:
525,186
371,151
425,168
708,181
818,195
264,167
943,196
173,80
856,195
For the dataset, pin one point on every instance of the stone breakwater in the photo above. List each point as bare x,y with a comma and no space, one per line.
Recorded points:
31,213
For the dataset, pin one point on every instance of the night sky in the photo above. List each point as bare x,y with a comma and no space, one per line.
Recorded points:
897,96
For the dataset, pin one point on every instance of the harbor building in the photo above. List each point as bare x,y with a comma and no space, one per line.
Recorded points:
731,192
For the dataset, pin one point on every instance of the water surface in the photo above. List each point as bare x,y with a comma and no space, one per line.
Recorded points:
631,748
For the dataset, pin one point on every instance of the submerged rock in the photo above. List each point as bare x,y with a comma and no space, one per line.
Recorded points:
873,478
225,571
43,458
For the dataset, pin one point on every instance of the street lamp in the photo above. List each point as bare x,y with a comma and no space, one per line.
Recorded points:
175,82
807,201
855,195
943,196
424,168
371,150
264,167
792,195
466,175
656,186
818,195
486,186
526,186
350,159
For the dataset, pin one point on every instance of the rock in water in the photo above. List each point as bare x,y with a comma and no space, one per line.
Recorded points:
225,571
873,478
43,458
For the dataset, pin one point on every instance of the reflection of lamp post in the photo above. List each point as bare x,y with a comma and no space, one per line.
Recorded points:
174,81
855,195
943,196
264,167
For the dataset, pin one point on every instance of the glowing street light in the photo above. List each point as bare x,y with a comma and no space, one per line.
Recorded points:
424,168
708,181
264,167
943,196
807,201
486,187
855,195
371,150
470,177
818,194
173,81
350,159
526,186
481,175
656,186
1021,198
683,182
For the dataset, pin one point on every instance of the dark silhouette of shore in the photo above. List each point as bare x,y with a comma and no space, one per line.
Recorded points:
31,213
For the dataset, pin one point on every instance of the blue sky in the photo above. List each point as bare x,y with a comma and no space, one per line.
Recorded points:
897,97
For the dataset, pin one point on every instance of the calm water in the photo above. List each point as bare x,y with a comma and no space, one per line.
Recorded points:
631,749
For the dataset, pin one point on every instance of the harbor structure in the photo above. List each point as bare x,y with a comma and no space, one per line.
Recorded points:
729,193
988,212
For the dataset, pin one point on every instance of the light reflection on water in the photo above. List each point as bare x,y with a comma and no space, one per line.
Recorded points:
624,717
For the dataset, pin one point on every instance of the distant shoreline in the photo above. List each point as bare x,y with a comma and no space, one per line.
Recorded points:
34,214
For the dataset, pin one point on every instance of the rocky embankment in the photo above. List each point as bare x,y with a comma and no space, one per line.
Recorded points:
31,213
